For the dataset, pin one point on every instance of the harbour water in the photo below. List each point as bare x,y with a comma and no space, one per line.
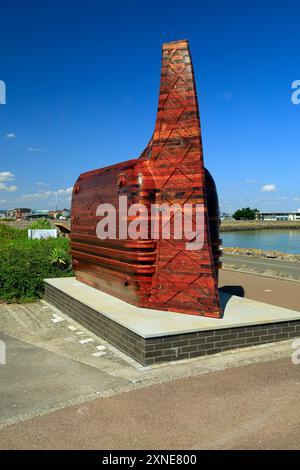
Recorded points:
287,241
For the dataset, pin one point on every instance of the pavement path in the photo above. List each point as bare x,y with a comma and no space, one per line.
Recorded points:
283,293
250,407
36,381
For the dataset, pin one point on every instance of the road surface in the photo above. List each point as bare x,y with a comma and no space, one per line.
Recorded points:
263,265
249,407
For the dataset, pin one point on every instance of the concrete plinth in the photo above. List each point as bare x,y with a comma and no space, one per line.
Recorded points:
152,336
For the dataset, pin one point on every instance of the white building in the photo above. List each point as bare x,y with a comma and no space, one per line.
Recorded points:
271,216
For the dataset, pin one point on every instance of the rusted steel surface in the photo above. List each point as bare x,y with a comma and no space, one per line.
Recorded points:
151,273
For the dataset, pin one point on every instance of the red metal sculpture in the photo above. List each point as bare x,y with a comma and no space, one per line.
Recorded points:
155,273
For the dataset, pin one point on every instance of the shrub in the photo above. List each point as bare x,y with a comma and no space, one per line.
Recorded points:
24,264
59,257
7,234
43,224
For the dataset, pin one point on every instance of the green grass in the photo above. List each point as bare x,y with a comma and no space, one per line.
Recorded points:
24,264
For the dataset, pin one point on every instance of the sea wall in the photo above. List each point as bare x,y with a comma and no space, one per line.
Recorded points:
254,253
239,225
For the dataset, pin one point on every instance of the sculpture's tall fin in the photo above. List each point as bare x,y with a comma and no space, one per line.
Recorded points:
177,104
186,278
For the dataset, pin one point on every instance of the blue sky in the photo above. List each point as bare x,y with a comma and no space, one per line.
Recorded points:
82,84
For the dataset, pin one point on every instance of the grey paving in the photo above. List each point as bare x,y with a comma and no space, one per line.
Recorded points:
36,381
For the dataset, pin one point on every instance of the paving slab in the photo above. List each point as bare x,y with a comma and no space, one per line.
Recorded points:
36,381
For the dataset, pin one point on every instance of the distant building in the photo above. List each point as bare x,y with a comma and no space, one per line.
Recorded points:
38,214
62,214
271,216
65,214
225,216
19,213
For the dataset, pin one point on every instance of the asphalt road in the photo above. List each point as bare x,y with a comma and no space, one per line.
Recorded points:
263,264
250,407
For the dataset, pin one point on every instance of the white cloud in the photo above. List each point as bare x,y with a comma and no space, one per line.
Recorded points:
40,195
46,194
11,189
296,199
281,198
10,135
3,201
35,149
268,188
250,181
64,191
6,176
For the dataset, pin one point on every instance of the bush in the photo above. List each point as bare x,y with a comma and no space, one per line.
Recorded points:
43,224
24,264
7,234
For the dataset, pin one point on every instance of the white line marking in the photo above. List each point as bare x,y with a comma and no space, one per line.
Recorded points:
86,340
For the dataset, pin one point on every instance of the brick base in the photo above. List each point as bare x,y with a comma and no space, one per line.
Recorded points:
149,351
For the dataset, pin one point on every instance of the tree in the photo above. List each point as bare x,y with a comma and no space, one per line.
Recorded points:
245,214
